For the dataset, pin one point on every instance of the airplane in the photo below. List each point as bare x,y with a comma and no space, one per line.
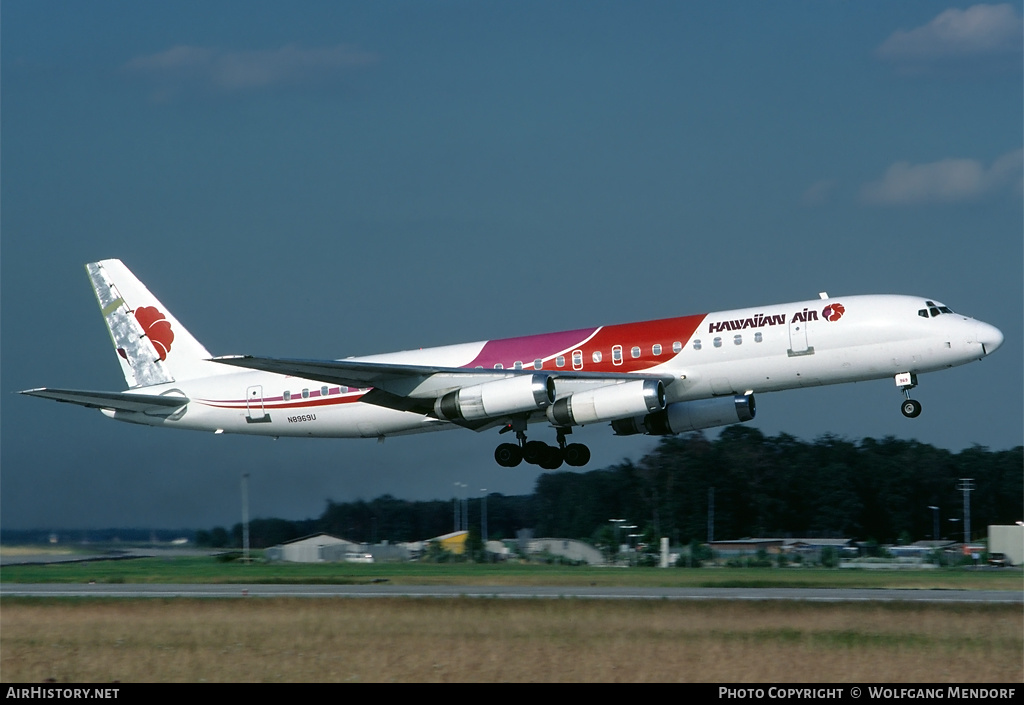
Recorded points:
658,377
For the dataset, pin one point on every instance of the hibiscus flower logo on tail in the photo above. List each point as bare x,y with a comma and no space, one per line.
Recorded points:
157,329
833,312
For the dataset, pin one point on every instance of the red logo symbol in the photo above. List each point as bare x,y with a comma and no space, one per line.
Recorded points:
157,329
833,312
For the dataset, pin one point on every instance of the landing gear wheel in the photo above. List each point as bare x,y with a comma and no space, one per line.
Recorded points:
534,452
508,455
551,459
911,408
577,455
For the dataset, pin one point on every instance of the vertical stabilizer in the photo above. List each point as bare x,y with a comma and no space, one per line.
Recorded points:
152,347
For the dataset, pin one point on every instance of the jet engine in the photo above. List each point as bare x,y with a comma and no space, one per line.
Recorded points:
505,396
614,401
689,416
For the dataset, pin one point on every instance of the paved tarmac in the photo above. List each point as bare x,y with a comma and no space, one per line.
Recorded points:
506,592
6,558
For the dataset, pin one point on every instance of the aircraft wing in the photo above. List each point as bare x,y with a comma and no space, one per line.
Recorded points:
407,387
405,380
119,401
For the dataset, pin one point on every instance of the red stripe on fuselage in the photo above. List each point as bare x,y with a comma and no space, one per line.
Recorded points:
644,336
278,404
664,332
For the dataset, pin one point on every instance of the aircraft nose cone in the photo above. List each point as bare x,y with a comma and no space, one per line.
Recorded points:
990,337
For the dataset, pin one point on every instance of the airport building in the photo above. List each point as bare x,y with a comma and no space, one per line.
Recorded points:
318,548
1008,540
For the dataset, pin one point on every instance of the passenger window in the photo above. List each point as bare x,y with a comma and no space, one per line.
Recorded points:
718,342
499,366
635,352
560,361
596,356
677,346
656,348
617,355
737,340
758,337
323,391
518,364
287,396
538,363
696,344
305,394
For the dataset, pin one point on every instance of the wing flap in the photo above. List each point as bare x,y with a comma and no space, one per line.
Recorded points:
118,401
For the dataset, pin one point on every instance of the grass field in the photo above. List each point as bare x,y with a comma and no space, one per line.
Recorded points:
208,570
489,640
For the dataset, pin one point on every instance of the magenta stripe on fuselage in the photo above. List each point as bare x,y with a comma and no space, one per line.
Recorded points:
508,351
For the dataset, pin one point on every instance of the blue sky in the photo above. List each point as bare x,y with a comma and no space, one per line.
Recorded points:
336,178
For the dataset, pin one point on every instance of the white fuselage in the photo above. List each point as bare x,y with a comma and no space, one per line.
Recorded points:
762,349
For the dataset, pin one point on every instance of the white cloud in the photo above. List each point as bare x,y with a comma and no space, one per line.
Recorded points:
977,33
944,181
182,58
818,193
183,67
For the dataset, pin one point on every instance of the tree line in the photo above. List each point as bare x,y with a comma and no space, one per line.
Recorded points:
751,485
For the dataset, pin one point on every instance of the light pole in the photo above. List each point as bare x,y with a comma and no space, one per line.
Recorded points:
953,521
455,506
629,527
617,523
245,518
711,514
965,486
935,524
483,516
461,503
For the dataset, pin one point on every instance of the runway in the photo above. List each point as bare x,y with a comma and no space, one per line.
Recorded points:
99,590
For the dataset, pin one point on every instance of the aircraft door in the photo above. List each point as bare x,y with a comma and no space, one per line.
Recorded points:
798,339
255,413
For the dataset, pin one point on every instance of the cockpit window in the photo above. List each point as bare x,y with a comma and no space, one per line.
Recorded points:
933,310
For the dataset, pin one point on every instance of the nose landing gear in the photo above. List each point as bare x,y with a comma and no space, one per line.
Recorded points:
906,381
911,408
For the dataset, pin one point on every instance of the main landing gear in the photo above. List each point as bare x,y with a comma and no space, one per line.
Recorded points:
509,455
906,381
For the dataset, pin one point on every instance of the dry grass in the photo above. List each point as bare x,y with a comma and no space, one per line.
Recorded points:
506,640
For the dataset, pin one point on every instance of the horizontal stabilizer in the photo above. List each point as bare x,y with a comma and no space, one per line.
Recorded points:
119,401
